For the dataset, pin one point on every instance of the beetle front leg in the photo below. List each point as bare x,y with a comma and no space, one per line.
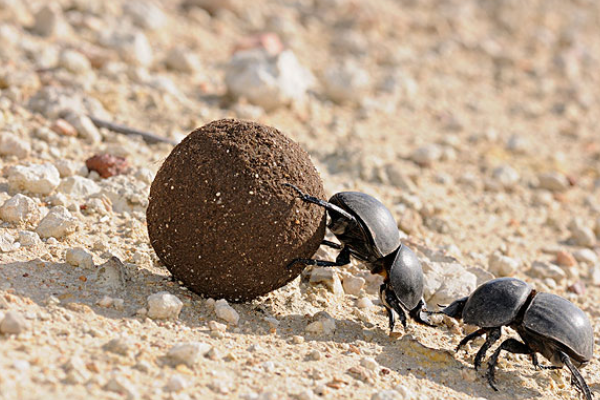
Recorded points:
391,304
418,313
512,346
342,259
492,337
469,337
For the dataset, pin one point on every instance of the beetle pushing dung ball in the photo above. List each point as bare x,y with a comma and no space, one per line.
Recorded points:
220,218
367,231
547,324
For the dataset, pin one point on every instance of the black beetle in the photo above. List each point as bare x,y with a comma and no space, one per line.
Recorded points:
367,231
547,323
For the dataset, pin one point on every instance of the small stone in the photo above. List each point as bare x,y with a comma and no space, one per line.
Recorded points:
57,224
68,168
582,236
188,353
328,277
410,221
77,372
12,145
565,259
19,209
425,156
369,363
364,302
75,62
217,326
353,284
506,176
85,127
120,345
297,339
27,238
133,47
587,256
182,60
405,392
542,197
64,128
13,323
501,265
7,243
324,325
267,81
78,187
105,302
111,275
578,288
176,383
387,395
553,181
145,14
346,82
545,270
164,305
50,21
314,355
78,257
226,312
517,144
107,165
121,385
38,179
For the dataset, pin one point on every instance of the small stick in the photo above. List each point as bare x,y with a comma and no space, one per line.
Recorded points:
147,136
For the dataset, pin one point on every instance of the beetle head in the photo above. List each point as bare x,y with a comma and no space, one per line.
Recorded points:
455,309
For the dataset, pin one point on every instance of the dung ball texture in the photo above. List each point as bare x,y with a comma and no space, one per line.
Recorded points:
220,218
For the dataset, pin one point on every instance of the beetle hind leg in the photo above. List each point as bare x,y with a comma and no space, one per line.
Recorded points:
576,377
469,337
492,337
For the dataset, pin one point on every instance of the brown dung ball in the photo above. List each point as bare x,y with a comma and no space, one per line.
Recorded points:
220,218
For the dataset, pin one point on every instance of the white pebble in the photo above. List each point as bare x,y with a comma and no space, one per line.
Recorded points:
346,82
226,312
50,21
13,323
188,353
182,60
364,302
267,81
353,284
164,305
57,224
587,256
501,265
369,363
20,208
145,14
176,383
106,302
78,187
427,155
553,181
121,385
506,176
35,178
78,257
12,145
386,395
27,238
85,127
75,62
583,236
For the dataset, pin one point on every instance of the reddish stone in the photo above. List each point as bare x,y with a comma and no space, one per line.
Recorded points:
578,288
64,128
107,165
268,41
565,259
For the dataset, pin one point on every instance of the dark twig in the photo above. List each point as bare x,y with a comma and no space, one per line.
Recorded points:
148,137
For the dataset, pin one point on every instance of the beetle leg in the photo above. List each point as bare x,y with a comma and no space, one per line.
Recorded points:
492,336
470,337
537,365
576,376
418,314
331,244
391,303
343,258
328,206
512,346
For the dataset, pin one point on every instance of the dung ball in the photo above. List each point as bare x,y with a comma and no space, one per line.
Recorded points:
220,218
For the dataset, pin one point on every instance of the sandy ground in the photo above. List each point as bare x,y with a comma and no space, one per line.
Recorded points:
467,105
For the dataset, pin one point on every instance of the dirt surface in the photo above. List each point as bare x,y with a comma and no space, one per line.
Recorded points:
475,122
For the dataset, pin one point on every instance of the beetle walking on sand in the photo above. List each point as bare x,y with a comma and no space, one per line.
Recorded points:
547,324
367,231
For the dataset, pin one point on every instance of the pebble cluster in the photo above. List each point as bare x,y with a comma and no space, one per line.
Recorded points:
474,122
